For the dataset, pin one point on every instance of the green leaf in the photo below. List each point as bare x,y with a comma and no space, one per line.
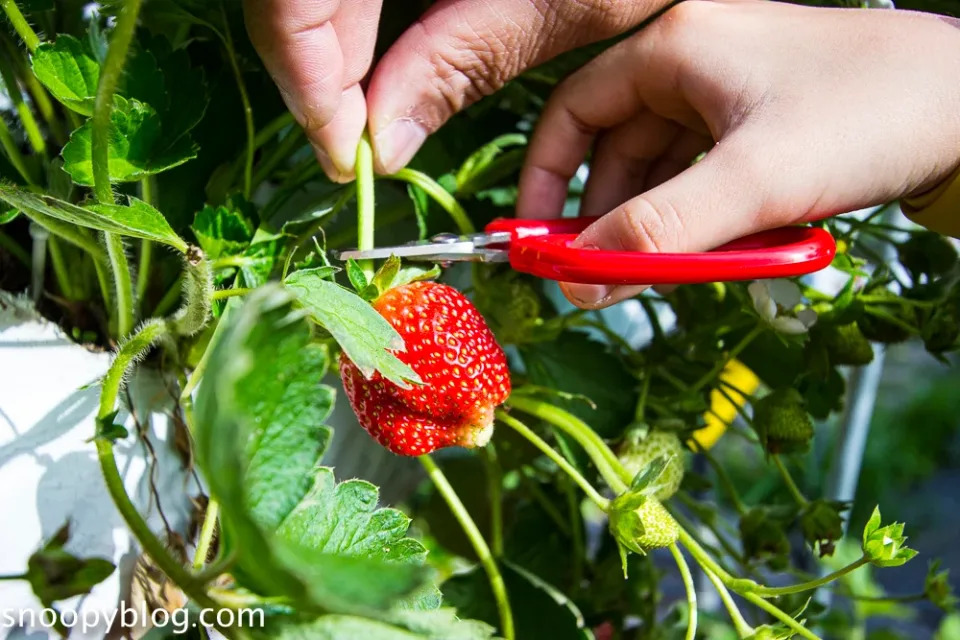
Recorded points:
137,148
137,219
8,215
258,438
576,364
539,609
366,337
645,482
69,71
55,574
485,165
143,81
222,231
356,275
885,546
439,624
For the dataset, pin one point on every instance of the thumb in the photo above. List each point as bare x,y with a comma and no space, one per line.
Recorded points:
462,50
717,200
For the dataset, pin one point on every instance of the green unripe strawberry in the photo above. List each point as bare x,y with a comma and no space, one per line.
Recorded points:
781,420
636,453
883,330
846,344
641,523
927,253
763,536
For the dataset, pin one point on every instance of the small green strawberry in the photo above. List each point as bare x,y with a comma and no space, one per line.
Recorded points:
763,536
781,420
846,345
641,523
927,253
638,451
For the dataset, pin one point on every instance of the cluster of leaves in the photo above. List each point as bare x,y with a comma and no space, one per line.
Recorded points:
319,556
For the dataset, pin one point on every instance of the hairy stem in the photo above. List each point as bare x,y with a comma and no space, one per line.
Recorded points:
365,203
558,459
20,24
439,195
690,589
100,156
60,267
206,534
772,592
476,540
221,294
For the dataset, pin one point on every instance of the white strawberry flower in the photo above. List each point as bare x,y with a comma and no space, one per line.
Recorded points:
776,302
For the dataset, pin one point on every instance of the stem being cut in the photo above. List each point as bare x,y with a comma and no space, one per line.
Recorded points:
476,540
366,210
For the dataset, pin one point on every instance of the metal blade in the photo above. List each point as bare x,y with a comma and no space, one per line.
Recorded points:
442,248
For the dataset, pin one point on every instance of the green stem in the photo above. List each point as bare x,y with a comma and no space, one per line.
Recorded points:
197,375
227,39
691,591
129,352
21,576
743,629
274,127
777,613
221,294
652,317
14,249
440,195
30,126
558,459
772,592
170,298
13,153
147,189
206,534
607,463
798,497
365,203
641,409
20,24
494,486
724,479
60,267
280,153
479,544
227,262
100,156
732,354
576,532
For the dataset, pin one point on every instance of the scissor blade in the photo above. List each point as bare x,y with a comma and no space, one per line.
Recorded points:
410,252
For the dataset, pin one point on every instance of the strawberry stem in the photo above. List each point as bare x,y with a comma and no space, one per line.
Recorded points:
440,195
558,459
743,629
366,210
606,462
480,547
690,589
792,487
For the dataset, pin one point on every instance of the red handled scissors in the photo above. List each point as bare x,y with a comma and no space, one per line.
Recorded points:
542,248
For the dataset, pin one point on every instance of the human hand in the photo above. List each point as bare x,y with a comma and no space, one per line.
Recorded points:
317,52
806,112
462,50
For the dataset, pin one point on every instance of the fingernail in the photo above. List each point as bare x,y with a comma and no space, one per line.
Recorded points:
587,295
397,144
327,164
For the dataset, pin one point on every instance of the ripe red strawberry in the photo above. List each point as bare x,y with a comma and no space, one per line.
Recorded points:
463,369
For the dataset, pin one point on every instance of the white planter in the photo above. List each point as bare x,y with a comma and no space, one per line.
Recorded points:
49,474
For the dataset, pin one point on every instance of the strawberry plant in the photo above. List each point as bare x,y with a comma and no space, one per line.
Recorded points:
184,224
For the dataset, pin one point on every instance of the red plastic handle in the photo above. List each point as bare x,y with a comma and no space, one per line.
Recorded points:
542,248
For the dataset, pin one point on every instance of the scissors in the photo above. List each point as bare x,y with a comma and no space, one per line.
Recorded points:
543,248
